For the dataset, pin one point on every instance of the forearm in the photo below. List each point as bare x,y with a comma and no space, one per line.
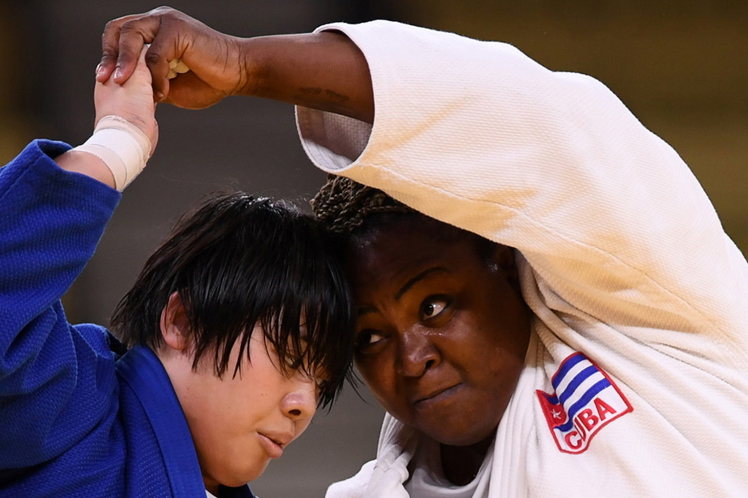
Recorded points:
324,71
87,164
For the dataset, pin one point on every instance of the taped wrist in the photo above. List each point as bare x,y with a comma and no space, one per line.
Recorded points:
122,146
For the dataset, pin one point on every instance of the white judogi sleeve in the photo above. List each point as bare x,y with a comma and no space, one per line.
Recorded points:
623,257
383,477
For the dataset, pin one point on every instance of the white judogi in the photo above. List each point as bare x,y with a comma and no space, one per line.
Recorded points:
623,259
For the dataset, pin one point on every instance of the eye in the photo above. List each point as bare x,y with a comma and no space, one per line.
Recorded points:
367,338
292,363
322,384
321,378
296,355
433,307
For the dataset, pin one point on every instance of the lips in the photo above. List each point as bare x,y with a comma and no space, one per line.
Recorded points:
274,442
435,395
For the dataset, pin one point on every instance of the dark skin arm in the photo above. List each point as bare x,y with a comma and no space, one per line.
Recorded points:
324,71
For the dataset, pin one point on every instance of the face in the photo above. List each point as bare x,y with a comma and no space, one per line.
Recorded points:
239,423
442,332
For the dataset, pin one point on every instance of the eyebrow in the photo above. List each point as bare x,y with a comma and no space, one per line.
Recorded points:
407,286
413,281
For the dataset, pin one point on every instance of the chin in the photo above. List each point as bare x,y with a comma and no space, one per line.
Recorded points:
235,482
462,439
468,437
241,477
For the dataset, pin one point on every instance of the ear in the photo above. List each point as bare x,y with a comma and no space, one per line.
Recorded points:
174,324
504,257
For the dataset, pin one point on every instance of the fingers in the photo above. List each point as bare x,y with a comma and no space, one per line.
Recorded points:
213,58
123,40
160,53
110,47
141,72
182,93
133,36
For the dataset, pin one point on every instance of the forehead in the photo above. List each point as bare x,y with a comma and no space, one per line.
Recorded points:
408,245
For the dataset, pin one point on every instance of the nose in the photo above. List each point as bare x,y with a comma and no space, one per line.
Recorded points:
300,403
416,354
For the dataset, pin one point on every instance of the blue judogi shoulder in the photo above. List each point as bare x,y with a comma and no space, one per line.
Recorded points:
78,419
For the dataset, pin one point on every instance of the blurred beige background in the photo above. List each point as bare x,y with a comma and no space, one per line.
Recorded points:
680,66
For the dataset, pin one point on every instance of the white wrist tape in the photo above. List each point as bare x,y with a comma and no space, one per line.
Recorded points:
122,146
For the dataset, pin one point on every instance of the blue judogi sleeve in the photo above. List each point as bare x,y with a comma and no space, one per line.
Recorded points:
57,382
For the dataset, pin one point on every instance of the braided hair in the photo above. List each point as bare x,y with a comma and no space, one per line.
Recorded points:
343,206
349,211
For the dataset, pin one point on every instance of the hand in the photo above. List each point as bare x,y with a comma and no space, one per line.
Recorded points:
217,68
325,71
132,100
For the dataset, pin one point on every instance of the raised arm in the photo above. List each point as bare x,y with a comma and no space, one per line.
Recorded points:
56,379
320,70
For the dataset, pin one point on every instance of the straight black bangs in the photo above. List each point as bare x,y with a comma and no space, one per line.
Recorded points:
238,262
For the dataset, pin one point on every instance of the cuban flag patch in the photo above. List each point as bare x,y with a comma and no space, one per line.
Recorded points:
584,400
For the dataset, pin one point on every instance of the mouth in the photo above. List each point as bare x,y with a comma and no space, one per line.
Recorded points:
436,395
274,443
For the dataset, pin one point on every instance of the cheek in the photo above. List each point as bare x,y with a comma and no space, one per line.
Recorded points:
372,369
502,322
379,375
224,412
490,353
501,355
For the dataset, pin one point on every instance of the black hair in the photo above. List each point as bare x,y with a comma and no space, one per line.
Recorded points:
236,262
